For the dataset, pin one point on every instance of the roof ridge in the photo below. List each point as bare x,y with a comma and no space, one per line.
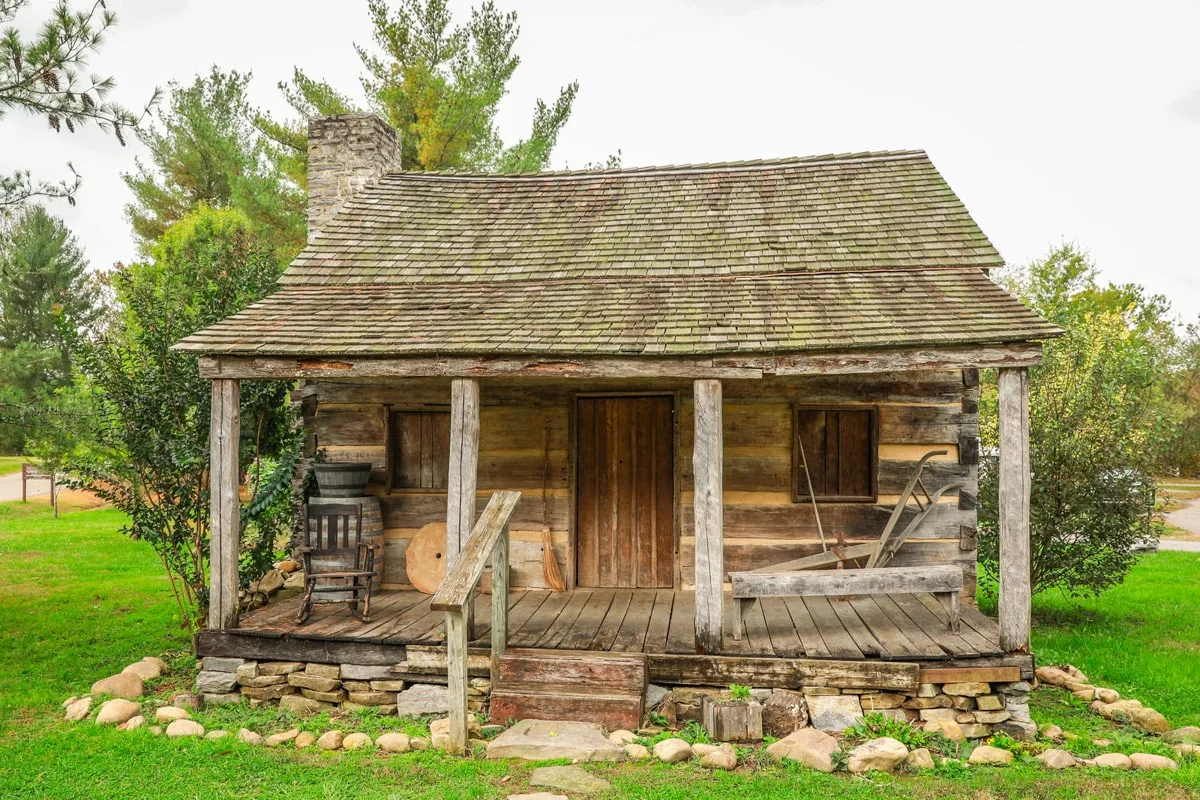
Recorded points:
828,159
642,279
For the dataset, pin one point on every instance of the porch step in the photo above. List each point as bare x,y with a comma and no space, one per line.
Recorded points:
605,688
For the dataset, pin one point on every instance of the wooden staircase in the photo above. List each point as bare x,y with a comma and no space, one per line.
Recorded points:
587,686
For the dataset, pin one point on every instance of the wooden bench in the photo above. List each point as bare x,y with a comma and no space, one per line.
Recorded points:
944,582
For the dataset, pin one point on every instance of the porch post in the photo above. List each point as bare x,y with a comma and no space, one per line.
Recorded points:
464,462
224,538
707,458
1015,593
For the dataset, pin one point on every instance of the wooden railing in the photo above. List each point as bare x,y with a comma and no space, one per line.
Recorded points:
488,540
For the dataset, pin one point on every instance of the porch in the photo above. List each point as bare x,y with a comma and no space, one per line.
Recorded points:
659,623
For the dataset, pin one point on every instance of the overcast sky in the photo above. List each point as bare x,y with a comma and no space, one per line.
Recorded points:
1052,120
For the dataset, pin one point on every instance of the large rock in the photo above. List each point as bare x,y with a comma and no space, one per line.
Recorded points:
992,756
881,701
303,706
783,712
807,746
636,752
1113,760
393,742
422,699
126,685
946,727
212,736
1056,759
1150,761
330,740
575,780
879,755
722,757
282,738
834,712
78,709
920,758
672,751
115,712
182,728
213,682
170,714
279,667
655,694
316,683
356,741
219,664
224,699
305,739
1189,734
1055,676
363,672
541,740
621,736
249,737
1149,720
146,670
971,689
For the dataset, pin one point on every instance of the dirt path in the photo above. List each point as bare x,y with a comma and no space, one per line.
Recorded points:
10,487
1186,517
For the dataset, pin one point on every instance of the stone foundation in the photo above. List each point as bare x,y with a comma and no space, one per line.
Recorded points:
958,710
312,687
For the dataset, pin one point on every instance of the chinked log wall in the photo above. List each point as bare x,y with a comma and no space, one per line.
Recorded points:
521,421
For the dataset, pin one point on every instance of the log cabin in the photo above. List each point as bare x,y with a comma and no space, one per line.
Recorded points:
687,373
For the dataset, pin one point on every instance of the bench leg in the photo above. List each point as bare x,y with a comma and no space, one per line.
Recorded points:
950,602
741,605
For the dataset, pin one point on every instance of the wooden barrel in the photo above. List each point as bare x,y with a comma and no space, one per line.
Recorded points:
372,533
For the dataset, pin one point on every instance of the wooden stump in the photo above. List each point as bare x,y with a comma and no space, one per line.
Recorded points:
733,720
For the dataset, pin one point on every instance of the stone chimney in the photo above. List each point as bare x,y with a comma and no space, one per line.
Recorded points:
345,153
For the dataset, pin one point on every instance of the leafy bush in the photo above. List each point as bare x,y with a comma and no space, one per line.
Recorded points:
875,725
739,692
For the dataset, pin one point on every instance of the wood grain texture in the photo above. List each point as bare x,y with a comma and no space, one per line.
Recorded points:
225,538
464,573
464,462
1015,593
709,506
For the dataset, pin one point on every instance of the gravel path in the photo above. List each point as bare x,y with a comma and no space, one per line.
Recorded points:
1187,517
10,487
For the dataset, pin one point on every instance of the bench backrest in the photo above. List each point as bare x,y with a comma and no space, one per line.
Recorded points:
834,582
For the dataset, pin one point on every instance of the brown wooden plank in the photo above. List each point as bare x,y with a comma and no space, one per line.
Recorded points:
576,603
757,637
970,674
663,532
612,712
806,628
606,633
587,624
587,486
242,644
606,468
660,622
524,608
926,645
785,641
891,639
937,627
782,673
539,622
631,636
642,479
681,634
839,642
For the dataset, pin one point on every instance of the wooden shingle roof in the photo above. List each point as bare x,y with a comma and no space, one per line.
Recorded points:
834,252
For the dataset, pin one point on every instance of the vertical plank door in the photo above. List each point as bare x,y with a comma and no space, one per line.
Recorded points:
625,492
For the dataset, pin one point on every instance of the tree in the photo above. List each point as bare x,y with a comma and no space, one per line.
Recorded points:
440,85
41,76
1098,421
1182,456
46,294
140,410
204,150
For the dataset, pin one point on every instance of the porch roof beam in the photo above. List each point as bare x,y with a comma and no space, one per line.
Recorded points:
1020,354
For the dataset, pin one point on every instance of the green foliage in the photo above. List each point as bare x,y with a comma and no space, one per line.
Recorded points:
875,725
739,692
440,85
1181,456
42,76
1098,422
204,150
143,441
659,719
46,296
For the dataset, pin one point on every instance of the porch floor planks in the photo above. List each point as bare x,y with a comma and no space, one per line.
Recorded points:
891,627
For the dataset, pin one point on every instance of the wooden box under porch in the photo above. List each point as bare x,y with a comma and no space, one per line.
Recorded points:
789,642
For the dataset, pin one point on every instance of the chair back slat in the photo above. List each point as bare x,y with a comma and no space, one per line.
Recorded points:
333,527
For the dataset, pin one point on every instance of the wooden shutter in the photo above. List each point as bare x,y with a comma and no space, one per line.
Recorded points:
840,450
421,458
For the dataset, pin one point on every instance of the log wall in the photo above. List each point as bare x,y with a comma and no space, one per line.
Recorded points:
525,443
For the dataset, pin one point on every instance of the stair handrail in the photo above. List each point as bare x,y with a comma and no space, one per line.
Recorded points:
488,541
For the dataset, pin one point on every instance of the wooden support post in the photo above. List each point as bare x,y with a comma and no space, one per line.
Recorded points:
456,678
224,538
707,469
499,602
464,463
1015,593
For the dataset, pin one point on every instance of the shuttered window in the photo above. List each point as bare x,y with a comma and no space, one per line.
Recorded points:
420,449
841,451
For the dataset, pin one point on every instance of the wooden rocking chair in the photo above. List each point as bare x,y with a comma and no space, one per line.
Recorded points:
337,562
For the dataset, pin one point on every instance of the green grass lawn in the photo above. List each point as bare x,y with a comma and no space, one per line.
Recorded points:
78,601
11,464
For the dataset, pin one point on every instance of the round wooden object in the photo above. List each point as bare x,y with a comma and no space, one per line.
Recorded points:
425,558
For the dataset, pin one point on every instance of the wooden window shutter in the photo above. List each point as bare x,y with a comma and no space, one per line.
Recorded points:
421,449
840,448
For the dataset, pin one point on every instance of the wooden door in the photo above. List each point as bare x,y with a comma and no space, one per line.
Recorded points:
625,492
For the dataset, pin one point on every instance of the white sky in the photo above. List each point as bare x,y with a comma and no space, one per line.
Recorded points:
1052,120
